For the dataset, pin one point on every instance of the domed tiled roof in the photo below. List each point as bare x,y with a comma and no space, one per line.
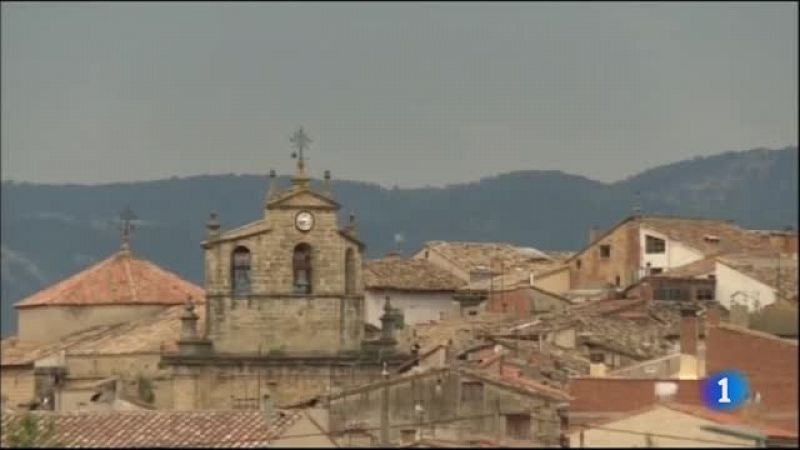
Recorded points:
121,279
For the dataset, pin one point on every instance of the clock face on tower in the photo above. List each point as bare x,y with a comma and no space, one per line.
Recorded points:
304,221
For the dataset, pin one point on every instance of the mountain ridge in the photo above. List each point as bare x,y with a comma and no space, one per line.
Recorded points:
57,229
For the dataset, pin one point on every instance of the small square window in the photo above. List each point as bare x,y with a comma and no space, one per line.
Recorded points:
605,251
471,391
704,294
654,245
518,426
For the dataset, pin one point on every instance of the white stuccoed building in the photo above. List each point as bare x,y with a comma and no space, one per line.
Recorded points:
421,290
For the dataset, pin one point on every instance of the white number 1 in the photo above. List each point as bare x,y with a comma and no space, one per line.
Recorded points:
724,383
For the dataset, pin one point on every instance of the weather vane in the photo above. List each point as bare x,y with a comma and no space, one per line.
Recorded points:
127,217
300,140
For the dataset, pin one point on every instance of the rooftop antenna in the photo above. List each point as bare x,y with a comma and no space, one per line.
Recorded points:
637,204
398,239
778,278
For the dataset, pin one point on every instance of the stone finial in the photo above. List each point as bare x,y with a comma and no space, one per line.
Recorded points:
327,185
388,323
270,186
189,321
351,225
212,226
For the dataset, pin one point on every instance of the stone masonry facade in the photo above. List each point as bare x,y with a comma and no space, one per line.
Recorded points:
273,318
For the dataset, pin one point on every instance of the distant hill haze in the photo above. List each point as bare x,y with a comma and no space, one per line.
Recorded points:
50,232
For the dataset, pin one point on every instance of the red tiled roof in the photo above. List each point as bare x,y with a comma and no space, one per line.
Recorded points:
242,429
510,379
122,279
730,419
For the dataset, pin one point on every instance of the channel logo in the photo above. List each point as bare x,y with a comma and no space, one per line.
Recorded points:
726,390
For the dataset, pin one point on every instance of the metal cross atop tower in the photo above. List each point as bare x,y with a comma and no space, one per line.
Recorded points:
126,217
300,140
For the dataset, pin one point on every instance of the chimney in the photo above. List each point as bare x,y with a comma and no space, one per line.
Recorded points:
712,315
688,342
500,363
267,409
739,315
594,233
597,362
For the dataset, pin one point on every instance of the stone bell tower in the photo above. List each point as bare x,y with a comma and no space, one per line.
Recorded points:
284,310
289,282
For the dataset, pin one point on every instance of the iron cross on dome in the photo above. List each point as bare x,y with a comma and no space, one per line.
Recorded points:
127,217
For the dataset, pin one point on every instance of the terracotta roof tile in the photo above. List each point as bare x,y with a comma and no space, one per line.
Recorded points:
730,419
709,236
241,429
408,275
147,335
694,269
17,352
510,379
121,279
474,255
155,334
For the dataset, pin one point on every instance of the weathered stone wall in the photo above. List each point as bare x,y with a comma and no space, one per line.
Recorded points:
231,386
271,256
456,417
596,271
103,366
269,325
17,385
49,323
556,282
128,368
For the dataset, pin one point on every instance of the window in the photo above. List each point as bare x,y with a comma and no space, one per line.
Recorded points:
671,294
518,426
240,271
678,294
617,281
578,264
408,435
656,270
605,251
654,245
704,294
349,272
471,391
301,263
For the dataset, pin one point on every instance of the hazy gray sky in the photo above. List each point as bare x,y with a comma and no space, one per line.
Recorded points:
407,94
